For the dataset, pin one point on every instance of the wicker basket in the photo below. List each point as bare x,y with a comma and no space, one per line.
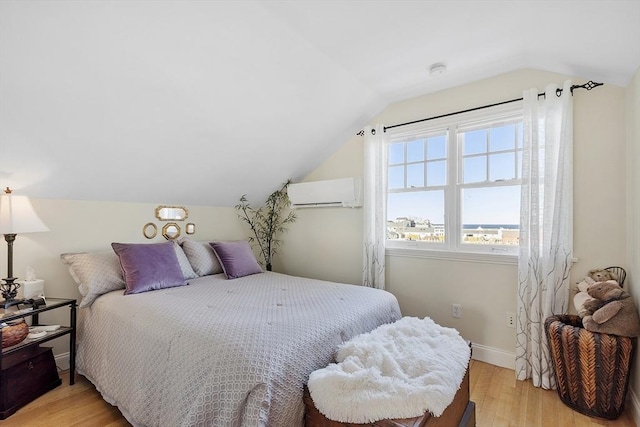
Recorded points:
14,334
591,369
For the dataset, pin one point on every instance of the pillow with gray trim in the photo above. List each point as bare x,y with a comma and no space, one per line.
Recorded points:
183,261
201,257
96,273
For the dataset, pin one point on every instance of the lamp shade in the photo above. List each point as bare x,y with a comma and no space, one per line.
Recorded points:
17,215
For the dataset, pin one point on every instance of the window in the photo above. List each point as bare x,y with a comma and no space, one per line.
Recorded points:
454,185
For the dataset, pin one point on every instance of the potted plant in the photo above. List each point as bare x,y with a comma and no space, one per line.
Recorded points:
267,222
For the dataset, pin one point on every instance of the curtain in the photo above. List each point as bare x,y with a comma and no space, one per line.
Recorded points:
546,227
374,206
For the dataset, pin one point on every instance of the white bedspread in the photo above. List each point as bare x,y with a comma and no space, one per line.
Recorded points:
400,370
222,352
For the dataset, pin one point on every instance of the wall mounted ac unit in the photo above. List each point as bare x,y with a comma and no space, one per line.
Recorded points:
346,192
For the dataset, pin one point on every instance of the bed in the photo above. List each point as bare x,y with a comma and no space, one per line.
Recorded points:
221,352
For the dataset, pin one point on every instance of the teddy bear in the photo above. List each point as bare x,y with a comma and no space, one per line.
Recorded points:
600,275
582,297
617,315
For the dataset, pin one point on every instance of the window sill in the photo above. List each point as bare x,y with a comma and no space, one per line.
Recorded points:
485,258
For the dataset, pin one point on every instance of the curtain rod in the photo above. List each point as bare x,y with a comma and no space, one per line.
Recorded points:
588,86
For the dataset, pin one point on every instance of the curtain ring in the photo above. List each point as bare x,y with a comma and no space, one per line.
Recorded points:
558,92
373,131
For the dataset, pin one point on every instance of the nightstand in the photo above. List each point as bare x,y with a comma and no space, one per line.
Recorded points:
28,370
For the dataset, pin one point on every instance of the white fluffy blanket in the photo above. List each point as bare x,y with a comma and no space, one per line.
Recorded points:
399,370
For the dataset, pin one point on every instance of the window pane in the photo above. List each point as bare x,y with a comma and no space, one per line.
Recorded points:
502,166
415,151
436,147
396,153
416,215
519,156
474,142
474,169
415,175
502,138
490,215
396,177
436,173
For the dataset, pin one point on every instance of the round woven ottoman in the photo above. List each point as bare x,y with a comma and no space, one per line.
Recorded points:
591,369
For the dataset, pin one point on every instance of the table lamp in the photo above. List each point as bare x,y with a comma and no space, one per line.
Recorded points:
16,216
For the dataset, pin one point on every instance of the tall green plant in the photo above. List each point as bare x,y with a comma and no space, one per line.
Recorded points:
267,222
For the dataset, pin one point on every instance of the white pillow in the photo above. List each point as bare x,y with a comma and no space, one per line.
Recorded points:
185,265
96,273
201,257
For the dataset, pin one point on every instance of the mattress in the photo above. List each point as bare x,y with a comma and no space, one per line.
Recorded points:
222,352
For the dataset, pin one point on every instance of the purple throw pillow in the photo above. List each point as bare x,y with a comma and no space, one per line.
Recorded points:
148,266
236,258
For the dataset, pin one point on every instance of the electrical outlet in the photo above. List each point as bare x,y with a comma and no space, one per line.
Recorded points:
456,310
511,320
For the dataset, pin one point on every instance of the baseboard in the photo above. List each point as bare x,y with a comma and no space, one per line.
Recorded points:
494,356
62,361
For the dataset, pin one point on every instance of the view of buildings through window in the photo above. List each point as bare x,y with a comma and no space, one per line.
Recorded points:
483,201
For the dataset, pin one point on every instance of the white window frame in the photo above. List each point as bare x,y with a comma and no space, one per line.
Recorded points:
454,249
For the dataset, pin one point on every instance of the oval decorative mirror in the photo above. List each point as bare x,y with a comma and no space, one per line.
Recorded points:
190,228
149,230
171,213
171,231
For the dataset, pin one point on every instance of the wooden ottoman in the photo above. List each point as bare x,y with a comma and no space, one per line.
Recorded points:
461,412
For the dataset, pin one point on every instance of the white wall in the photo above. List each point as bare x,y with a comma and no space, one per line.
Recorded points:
326,243
633,215
81,226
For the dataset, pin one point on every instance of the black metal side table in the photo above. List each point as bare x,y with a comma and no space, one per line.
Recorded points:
15,313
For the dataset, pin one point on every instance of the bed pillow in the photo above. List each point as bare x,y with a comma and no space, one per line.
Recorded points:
96,273
183,261
201,257
236,258
148,266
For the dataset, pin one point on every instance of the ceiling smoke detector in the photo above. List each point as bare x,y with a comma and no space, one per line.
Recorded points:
436,70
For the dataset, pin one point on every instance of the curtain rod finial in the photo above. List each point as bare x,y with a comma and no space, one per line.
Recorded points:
591,84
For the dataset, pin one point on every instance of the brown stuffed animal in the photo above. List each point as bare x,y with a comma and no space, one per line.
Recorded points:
591,304
600,275
618,316
581,298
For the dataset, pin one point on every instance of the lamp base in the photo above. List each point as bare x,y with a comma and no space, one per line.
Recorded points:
10,303
9,290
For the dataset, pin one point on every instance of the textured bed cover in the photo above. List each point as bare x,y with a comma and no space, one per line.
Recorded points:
222,352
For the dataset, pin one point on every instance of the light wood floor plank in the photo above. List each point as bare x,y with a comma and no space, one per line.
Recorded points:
500,401
518,407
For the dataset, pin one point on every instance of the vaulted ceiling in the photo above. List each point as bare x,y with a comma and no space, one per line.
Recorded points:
199,102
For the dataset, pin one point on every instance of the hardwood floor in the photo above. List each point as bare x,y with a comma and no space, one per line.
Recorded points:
503,401
500,401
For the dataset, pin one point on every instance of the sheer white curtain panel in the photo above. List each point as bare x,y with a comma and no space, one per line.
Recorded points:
374,206
546,227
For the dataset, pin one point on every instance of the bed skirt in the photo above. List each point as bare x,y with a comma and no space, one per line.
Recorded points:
461,412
